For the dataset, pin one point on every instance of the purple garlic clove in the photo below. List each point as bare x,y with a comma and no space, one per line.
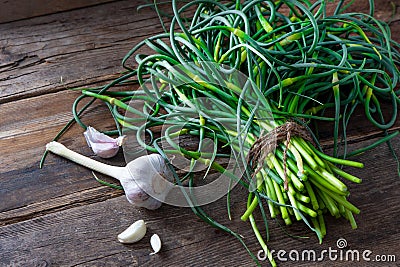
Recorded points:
101,144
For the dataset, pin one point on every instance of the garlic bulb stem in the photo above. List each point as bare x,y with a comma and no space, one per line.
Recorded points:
113,171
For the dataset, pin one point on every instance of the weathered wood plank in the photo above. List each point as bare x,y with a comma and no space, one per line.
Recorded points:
57,238
60,216
54,52
51,205
65,229
80,47
23,141
22,9
31,123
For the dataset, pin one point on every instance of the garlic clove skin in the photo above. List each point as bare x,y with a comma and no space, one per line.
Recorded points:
133,233
138,197
155,243
151,175
150,204
102,145
133,192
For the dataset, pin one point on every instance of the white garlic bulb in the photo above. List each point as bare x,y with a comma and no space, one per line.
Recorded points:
146,180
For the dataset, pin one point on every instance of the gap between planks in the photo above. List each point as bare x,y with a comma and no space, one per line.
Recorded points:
37,209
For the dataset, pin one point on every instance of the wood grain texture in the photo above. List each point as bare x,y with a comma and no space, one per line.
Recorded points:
191,242
60,216
23,140
69,49
23,9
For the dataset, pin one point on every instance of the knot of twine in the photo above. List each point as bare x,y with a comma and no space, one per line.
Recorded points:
267,143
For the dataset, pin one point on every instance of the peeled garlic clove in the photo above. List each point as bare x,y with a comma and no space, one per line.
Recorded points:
155,243
101,144
133,233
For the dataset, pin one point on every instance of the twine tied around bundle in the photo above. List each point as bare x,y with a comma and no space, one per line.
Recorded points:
267,143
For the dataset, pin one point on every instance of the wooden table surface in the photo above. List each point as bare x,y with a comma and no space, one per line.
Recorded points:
60,216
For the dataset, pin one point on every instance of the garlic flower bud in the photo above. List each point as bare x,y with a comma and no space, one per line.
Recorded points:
101,144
